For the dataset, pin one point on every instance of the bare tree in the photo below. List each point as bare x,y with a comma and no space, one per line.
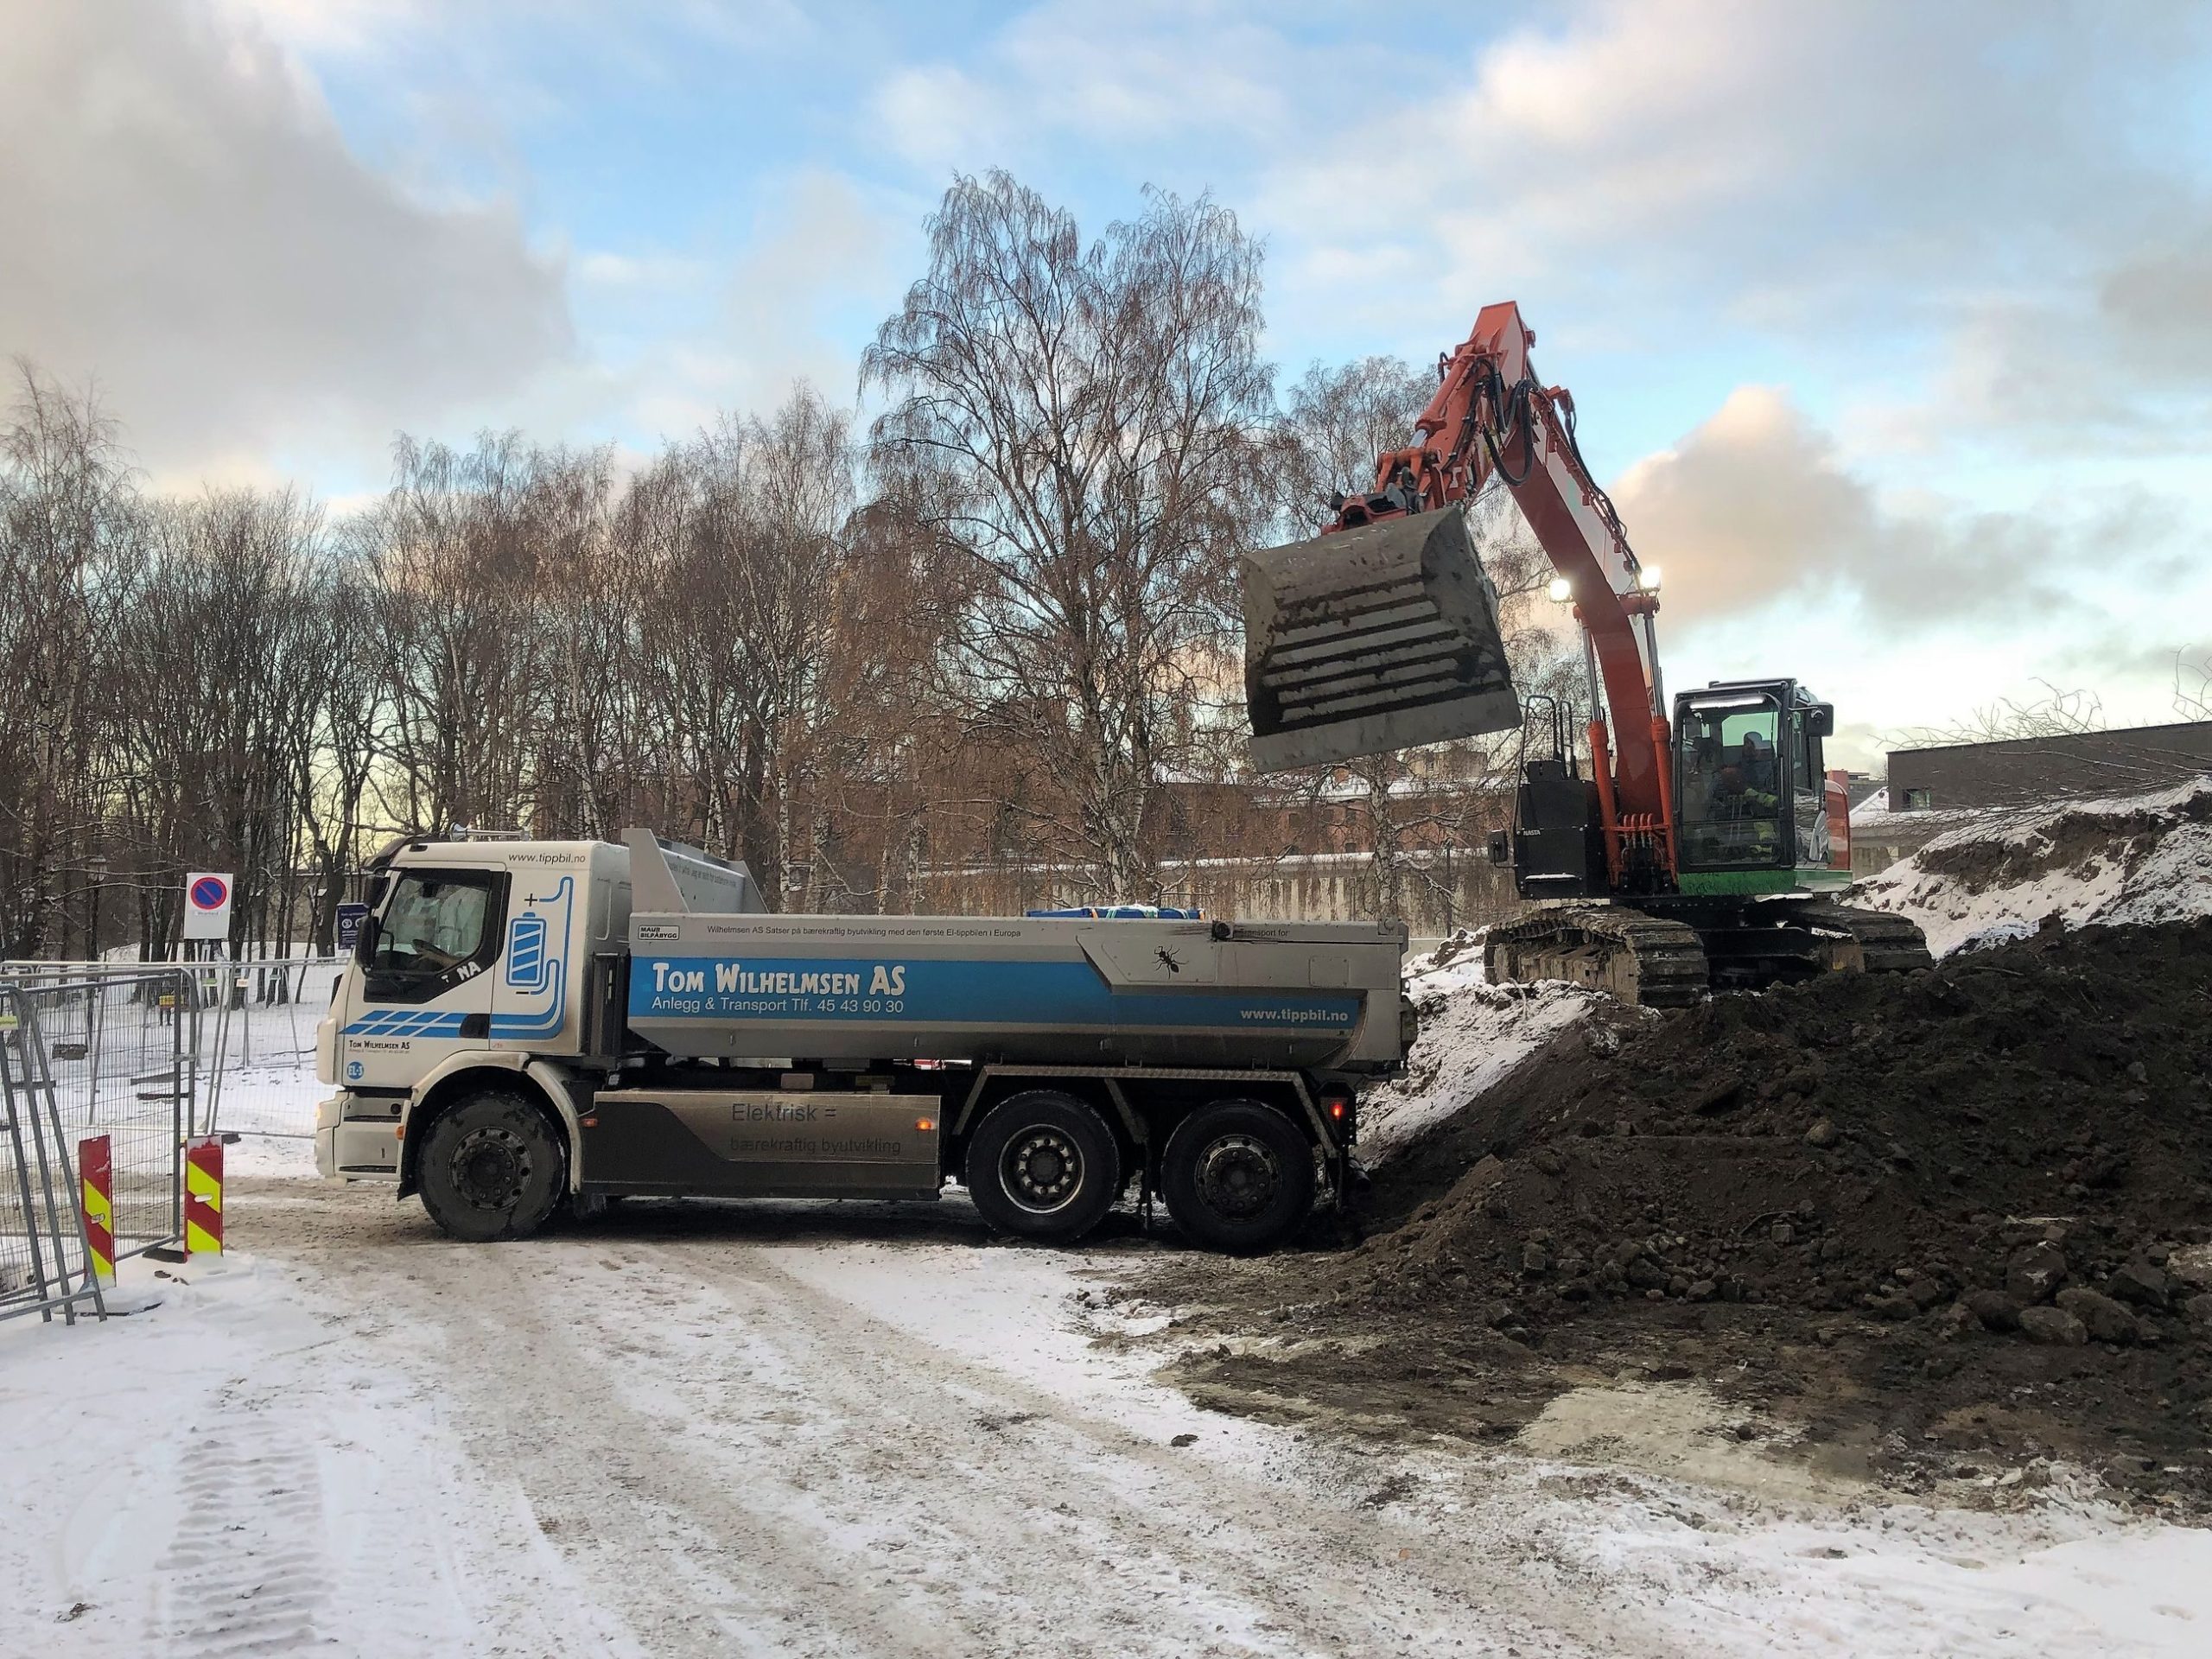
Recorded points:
457,580
2193,685
2057,713
67,513
1080,420
1335,422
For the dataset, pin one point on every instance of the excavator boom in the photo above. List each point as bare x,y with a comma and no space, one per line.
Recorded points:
1382,631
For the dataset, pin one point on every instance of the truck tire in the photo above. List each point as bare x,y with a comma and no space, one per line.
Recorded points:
1237,1176
492,1168
1042,1165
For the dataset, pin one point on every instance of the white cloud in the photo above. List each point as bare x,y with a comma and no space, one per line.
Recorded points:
185,225
821,251
1147,78
1754,505
1856,180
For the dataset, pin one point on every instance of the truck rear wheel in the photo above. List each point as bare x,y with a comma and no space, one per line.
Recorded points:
1042,1165
1237,1177
492,1168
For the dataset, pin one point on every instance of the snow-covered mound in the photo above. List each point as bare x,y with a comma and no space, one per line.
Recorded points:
1996,877
1471,1034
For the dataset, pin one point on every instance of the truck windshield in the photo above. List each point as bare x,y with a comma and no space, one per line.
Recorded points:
436,920
1731,788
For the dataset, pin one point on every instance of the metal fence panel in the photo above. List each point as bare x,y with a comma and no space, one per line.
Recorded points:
44,1265
234,1026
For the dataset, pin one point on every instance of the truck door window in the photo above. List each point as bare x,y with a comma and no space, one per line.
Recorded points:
1730,787
439,928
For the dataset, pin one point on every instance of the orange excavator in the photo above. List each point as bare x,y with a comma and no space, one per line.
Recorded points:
1697,851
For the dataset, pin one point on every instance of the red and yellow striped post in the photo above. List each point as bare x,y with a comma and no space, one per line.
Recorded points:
96,1201
203,1196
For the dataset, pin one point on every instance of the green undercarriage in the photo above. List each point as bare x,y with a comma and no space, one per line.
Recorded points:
1718,883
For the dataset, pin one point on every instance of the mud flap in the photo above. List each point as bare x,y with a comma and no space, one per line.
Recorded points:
1370,640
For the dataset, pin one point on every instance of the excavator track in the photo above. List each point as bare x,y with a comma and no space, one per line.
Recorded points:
1638,956
1662,963
1886,944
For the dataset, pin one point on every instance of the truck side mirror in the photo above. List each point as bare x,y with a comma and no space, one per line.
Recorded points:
1500,847
1820,720
365,941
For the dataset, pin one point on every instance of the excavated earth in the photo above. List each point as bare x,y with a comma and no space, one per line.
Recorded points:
1945,1231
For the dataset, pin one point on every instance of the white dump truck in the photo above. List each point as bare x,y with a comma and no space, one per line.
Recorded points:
530,1025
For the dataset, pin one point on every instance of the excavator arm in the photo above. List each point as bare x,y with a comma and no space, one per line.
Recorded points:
1382,631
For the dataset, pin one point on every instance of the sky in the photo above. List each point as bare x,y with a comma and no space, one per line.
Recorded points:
1890,325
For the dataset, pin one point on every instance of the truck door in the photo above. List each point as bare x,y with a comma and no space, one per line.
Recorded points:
425,988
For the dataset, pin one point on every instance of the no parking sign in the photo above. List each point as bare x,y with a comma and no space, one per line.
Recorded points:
207,905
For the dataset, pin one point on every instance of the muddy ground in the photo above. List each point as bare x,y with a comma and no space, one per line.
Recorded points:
1941,1231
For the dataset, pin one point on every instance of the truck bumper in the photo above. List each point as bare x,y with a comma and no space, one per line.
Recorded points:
354,1150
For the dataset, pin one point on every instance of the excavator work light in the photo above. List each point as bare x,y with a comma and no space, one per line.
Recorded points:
1559,590
1648,578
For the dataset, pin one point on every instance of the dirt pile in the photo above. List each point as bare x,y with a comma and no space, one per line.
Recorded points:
1943,1227
2137,859
1963,1144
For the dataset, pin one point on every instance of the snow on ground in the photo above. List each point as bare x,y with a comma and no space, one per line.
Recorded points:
1471,1034
2133,859
235,1471
271,1110
861,1429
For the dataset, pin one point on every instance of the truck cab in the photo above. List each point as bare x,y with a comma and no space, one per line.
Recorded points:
527,1025
474,955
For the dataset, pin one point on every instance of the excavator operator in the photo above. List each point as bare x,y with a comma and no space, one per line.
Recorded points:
1736,794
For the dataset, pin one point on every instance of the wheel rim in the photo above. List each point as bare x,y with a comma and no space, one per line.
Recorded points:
1238,1176
1041,1169
490,1168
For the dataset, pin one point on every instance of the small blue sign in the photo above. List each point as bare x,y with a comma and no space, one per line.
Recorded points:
350,918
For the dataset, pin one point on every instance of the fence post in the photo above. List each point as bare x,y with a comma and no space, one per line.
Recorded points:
185,1086
96,1184
203,1197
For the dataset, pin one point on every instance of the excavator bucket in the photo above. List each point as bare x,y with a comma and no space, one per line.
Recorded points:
1372,639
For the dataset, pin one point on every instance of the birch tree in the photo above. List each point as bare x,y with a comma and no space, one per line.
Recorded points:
1083,419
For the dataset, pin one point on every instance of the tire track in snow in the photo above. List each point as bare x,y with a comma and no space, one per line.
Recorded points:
243,1575
841,1463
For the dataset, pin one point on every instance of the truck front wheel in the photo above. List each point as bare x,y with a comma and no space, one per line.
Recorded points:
492,1168
1237,1177
1042,1165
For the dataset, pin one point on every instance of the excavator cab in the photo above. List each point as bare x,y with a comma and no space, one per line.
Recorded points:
1750,791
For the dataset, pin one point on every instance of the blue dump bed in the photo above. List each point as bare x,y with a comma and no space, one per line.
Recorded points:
1066,990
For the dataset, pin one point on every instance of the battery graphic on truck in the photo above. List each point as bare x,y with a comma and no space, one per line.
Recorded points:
532,967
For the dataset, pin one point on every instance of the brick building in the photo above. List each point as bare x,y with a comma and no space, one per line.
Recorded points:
2024,771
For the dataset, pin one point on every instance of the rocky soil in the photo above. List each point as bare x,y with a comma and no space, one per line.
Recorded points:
1942,1227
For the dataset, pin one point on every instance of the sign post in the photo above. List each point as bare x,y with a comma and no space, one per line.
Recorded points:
207,904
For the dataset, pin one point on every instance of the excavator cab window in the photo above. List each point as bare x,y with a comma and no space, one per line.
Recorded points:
1732,781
